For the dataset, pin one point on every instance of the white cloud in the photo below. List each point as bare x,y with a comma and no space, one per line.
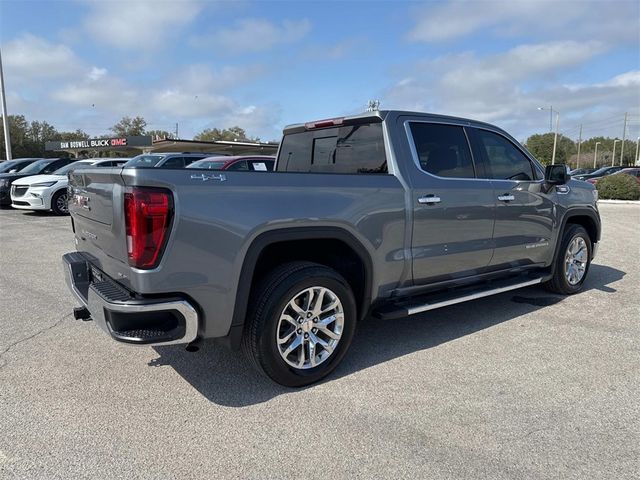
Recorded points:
97,73
534,18
140,24
254,35
507,88
33,57
102,92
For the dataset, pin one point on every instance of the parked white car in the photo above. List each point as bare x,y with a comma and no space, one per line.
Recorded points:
49,192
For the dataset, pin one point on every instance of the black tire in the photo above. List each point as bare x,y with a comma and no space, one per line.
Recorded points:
271,297
60,195
559,282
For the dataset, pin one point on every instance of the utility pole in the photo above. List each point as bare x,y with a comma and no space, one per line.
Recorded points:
579,142
637,148
5,117
555,139
176,130
624,134
595,155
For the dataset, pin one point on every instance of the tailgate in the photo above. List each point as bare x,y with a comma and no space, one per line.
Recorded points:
96,197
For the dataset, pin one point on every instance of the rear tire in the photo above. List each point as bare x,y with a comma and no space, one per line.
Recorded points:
59,203
301,322
572,262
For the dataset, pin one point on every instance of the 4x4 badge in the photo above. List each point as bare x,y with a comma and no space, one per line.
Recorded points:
204,177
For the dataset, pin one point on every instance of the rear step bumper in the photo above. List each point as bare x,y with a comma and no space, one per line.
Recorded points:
124,317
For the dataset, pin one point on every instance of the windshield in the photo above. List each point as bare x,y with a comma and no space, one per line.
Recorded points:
10,165
208,164
144,161
72,166
36,167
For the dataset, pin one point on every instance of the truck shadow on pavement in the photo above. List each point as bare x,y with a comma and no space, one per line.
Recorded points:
226,378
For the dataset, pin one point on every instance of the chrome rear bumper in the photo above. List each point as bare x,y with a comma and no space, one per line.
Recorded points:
123,315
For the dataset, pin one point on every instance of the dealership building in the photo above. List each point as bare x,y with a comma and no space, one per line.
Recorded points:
132,146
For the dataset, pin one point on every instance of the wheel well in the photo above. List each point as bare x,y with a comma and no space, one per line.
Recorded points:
330,252
588,223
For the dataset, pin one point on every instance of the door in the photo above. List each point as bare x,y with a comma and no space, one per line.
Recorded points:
524,210
453,210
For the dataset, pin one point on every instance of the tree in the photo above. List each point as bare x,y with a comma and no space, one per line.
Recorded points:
541,146
129,127
21,144
77,135
230,134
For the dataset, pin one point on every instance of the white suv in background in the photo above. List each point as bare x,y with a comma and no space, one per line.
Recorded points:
49,192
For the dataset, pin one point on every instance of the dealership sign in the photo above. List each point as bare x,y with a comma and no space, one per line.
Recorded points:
99,143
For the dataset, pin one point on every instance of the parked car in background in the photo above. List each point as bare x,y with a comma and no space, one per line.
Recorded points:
165,160
49,192
254,163
634,172
386,213
42,166
15,165
601,172
582,171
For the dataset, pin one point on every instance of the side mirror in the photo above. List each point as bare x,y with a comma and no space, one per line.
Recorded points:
556,174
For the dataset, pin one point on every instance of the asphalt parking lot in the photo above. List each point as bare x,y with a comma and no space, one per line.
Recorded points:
521,385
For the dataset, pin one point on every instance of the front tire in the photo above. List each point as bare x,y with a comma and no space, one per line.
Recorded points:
59,203
573,261
301,324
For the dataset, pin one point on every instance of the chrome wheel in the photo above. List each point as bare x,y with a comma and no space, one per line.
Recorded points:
310,327
575,260
61,203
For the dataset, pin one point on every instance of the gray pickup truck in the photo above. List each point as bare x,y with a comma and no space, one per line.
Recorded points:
383,214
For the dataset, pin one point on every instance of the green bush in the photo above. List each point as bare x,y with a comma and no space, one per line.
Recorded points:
619,187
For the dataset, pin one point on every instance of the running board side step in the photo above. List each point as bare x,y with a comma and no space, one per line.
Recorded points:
414,305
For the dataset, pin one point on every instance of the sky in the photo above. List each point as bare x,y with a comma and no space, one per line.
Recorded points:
264,64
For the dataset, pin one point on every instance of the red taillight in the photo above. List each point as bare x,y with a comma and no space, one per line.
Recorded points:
147,214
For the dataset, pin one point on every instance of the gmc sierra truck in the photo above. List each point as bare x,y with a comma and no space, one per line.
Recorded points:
384,214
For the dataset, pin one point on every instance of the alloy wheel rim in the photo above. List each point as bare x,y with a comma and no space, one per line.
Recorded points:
310,328
61,203
575,260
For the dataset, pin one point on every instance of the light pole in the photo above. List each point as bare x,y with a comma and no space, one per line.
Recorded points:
555,135
595,155
637,147
579,142
613,155
5,117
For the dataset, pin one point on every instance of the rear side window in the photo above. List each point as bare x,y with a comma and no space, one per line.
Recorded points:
348,149
261,165
240,165
190,160
53,166
442,150
503,160
145,161
173,162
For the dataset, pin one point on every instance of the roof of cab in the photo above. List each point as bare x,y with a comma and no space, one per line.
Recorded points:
381,115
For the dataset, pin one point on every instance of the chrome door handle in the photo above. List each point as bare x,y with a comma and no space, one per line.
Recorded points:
506,198
429,199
